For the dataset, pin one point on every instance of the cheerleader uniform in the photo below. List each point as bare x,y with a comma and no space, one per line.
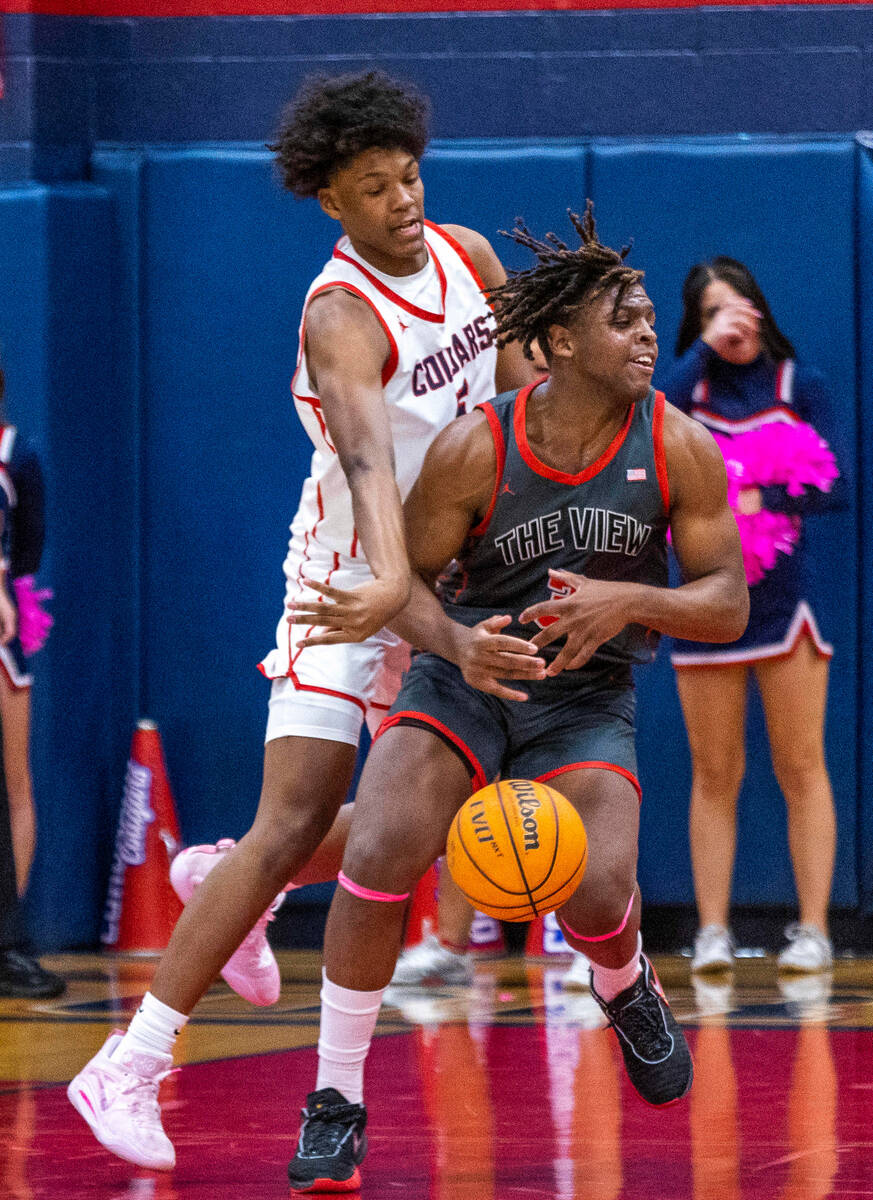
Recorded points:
23,537
731,400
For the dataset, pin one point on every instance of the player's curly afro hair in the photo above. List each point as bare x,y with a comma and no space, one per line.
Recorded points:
547,294
332,119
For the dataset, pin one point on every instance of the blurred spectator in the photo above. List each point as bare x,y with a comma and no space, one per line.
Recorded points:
736,373
21,542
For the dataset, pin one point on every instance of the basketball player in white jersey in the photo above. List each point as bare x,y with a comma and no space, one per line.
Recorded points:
396,340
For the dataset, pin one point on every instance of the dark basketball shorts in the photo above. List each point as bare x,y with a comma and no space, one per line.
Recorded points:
557,729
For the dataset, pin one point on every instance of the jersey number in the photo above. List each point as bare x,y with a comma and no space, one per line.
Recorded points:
558,591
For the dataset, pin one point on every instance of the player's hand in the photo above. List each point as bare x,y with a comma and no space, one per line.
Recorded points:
486,656
593,613
346,615
733,324
8,618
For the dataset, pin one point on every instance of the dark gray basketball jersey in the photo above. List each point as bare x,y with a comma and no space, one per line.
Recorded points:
608,522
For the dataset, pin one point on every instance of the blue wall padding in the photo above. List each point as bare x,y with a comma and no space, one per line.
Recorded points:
149,331
227,258
786,209
865,498
120,173
76,81
486,186
55,327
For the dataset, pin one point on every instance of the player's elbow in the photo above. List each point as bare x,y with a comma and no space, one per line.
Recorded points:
733,614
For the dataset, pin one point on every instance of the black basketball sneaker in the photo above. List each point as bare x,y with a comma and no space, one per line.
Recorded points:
655,1052
331,1145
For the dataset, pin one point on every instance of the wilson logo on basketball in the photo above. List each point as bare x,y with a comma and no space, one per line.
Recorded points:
517,849
527,807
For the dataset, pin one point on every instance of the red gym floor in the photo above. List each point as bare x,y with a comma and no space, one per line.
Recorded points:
509,1090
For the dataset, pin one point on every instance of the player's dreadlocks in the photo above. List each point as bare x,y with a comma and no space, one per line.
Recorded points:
332,119
547,294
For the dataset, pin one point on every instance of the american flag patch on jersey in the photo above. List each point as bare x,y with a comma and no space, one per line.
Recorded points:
636,474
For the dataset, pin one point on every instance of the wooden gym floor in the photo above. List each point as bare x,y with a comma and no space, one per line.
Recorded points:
508,1090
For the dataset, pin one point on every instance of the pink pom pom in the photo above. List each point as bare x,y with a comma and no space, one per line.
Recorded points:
34,622
791,454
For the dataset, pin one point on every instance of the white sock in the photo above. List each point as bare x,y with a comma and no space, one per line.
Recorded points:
609,981
153,1029
348,1019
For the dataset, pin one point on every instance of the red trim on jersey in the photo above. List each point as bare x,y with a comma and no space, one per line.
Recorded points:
353,551
540,468
421,313
660,456
7,443
460,251
500,450
603,766
24,682
390,364
780,376
479,779
315,404
308,687
709,418
312,401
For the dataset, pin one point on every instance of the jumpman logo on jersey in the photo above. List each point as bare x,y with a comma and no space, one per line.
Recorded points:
403,327
507,490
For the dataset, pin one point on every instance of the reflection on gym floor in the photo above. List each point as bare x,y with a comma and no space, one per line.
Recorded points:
511,1089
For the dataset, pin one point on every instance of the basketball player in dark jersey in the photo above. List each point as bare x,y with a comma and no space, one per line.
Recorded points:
553,502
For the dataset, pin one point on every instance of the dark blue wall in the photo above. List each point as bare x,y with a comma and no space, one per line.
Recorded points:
56,308
865,409
149,331
775,69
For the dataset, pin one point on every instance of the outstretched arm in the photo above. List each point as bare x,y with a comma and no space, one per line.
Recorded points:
447,500
712,603
346,349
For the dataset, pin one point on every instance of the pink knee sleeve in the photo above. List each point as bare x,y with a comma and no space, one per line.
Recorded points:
602,937
367,893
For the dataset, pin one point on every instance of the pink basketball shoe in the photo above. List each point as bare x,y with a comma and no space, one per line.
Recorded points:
117,1094
252,971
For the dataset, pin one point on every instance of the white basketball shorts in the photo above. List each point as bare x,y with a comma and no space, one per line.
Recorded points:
328,691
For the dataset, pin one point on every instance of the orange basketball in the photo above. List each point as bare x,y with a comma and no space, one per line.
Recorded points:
517,849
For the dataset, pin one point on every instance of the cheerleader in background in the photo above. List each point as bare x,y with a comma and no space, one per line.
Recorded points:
736,373
23,629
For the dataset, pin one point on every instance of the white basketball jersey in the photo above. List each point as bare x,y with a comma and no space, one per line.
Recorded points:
440,363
